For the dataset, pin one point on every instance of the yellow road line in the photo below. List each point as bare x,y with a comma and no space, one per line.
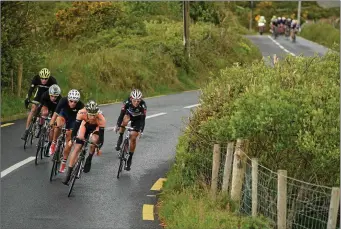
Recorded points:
148,212
158,184
7,124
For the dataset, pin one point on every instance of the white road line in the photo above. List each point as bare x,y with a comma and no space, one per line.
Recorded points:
279,45
195,105
151,195
16,166
155,115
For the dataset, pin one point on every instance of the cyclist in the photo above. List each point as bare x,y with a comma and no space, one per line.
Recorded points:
90,122
42,81
48,103
294,28
65,112
134,109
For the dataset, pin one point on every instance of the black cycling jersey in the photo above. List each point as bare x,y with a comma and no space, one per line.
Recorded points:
36,82
46,101
136,113
71,113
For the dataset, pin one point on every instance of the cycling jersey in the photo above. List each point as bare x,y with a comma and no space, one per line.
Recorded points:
69,114
46,101
137,114
36,82
87,126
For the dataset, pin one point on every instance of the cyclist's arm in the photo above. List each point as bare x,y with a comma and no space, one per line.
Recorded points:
77,124
143,118
62,102
76,128
101,124
34,83
123,111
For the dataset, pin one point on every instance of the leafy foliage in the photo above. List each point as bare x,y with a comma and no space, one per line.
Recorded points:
289,113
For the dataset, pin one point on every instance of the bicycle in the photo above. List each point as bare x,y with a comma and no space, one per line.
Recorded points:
59,153
124,151
34,125
79,166
43,142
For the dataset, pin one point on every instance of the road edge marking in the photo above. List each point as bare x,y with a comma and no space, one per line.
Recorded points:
195,105
158,184
16,166
155,115
7,124
148,212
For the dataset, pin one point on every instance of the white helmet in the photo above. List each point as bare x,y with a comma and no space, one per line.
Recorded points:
73,95
54,90
136,94
44,73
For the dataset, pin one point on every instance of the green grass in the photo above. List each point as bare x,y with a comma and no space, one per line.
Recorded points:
153,62
322,33
195,209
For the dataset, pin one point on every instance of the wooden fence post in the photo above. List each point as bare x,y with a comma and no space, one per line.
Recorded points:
333,208
215,169
228,166
282,199
254,186
20,70
238,171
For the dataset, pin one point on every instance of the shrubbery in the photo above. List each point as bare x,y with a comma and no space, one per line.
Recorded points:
317,33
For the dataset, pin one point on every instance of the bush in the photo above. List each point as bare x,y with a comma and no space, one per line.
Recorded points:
289,113
317,33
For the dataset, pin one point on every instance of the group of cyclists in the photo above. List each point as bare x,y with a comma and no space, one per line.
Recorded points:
81,121
280,26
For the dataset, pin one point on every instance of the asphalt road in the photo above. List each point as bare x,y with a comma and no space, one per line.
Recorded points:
283,46
99,200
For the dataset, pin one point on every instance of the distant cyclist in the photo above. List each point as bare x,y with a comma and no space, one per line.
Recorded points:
134,109
42,82
90,122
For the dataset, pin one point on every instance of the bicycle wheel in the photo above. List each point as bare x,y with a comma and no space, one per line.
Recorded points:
54,169
122,157
40,147
29,134
74,174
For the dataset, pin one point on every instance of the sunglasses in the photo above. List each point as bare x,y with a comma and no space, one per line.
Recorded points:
136,100
44,78
93,115
54,96
73,101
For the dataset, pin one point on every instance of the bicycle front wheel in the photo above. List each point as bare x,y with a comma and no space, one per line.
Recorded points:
74,175
122,157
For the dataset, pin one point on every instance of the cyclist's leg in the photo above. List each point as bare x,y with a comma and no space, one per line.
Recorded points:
94,139
124,123
57,130
75,153
132,145
28,121
67,149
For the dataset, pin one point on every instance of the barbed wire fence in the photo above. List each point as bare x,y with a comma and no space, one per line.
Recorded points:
286,202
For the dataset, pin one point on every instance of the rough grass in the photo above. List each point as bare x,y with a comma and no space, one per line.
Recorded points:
107,66
194,209
322,33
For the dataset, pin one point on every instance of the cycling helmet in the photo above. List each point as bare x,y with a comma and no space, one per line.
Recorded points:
136,94
92,107
283,18
73,95
54,90
44,73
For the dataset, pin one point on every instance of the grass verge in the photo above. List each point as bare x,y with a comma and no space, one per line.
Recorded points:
322,33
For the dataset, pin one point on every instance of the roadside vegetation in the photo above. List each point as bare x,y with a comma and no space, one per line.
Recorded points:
104,49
